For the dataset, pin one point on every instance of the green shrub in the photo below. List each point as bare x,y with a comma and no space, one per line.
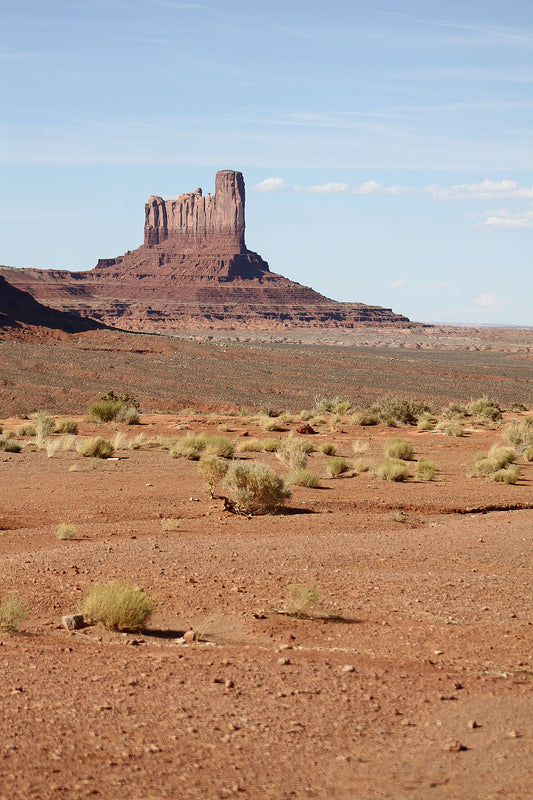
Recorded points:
118,606
398,448
337,466
392,469
300,599
484,407
496,459
455,411
104,410
189,447
425,470
328,448
10,445
215,445
12,613
44,424
394,411
508,475
255,488
66,530
95,447
364,417
129,415
303,477
26,430
66,426
212,469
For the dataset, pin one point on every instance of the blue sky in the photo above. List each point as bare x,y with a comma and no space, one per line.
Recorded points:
387,147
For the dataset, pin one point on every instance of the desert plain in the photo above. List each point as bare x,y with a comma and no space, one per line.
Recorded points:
409,677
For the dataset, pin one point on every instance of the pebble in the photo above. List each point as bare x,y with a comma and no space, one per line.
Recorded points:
514,734
72,622
284,661
453,746
473,724
188,636
348,668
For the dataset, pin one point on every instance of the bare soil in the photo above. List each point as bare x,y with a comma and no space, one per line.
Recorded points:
411,678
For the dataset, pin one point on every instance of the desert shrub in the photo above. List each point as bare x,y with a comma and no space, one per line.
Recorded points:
118,606
255,488
361,465
212,469
395,411
215,445
294,452
66,426
163,442
451,428
362,416
129,415
189,447
95,447
303,477
306,415
300,599
425,470
270,445
501,456
137,442
455,411
271,424
120,441
26,430
44,424
104,410
65,530
10,445
508,475
392,469
170,524
520,434
359,448
286,418
398,448
328,448
528,453
484,407
517,407
12,613
249,446
425,423
337,466
52,446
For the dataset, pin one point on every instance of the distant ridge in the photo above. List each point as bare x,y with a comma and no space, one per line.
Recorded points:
194,271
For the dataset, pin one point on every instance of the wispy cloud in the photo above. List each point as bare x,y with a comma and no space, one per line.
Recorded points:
506,221
399,283
488,189
491,301
504,34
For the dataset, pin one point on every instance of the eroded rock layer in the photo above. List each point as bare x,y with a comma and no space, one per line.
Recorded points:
194,271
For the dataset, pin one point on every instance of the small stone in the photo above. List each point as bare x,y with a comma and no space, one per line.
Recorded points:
284,661
348,668
73,622
306,429
473,724
188,636
453,746
514,734
229,684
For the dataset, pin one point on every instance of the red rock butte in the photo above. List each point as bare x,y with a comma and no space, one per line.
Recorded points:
194,271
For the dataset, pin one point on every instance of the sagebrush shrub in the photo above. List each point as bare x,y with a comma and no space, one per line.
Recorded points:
118,605
66,530
484,407
270,445
425,470
508,475
212,469
328,448
95,447
359,448
250,445
398,448
27,429
10,445
12,613
300,599
44,424
451,428
394,411
104,410
271,424
337,466
255,488
303,477
520,434
66,426
129,415
528,453
294,452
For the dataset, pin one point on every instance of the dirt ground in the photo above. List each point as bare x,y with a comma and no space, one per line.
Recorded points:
411,678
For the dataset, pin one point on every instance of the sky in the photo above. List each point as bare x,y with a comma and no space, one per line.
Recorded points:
386,145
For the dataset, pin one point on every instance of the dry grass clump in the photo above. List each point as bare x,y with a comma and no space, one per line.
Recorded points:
44,424
497,458
10,445
451,428
300,599
212,469
215,445
528,453
12,613
398,448
270,445
520,434
426,422
27,429
104,410
303,477
392,469
255,488
95,447
364,417
66,530
484,407
361,465
425,470
192,446
52,446
394,411
359,448
508,475
337,466
66,426
170,524
129,415
271,424
118,606
249,446
306,415
332,405
328,448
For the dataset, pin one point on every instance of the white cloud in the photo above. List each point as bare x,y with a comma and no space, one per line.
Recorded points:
398,284
272,185
328,188
485,190
506,221
490,301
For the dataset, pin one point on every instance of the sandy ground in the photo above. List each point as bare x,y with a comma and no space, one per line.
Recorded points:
410,679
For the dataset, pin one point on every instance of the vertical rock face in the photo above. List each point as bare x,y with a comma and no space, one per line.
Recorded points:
192,222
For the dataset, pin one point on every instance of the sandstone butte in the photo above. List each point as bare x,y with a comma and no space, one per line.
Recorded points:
194,271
